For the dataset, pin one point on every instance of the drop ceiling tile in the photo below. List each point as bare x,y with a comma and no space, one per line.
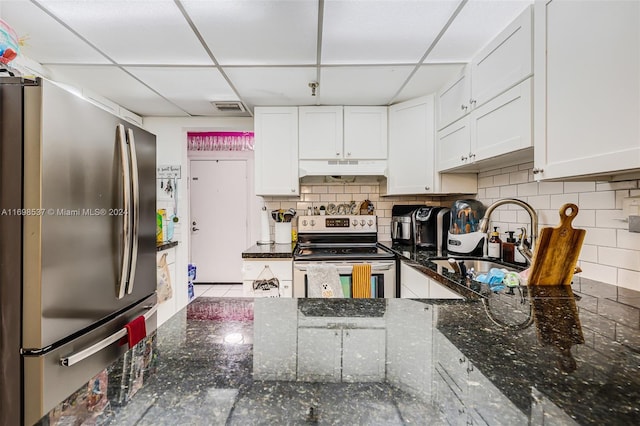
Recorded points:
133,32
46,40
478,23
192,89
117,86
261,86
381,31
364,85
258,32
428,79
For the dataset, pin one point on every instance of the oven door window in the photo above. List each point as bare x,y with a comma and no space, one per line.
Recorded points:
377,286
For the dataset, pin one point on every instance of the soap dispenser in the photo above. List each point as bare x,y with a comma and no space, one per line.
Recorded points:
495,245
509,247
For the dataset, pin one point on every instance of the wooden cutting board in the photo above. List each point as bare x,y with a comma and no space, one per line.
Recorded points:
557,250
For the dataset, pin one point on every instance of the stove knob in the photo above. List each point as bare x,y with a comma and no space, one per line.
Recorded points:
304,223
354,222
313,222
370,222
362,222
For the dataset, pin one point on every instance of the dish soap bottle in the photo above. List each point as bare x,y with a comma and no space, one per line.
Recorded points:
508,248
495,244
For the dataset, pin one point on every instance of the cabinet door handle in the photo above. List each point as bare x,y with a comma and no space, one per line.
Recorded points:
463,158
348,154
462,360
535,171
427,188
293,190
472,102
463,107
337,154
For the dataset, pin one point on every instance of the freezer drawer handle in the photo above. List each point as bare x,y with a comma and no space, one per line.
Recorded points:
75,358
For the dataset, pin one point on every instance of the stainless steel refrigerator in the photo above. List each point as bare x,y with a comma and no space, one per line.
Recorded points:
77,242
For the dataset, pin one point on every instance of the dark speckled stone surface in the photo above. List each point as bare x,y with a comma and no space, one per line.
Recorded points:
277,251
567,354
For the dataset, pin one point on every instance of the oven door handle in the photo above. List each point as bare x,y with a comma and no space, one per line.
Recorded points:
342,269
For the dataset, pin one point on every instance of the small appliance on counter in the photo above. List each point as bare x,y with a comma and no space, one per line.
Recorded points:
402,230
464,235
430,224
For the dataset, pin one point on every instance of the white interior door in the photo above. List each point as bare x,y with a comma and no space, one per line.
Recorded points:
218,219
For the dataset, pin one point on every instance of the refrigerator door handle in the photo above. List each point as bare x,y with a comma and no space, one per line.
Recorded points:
135,197
75,358
126,229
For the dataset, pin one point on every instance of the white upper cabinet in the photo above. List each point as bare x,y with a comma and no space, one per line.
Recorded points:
276,151
411,147
587,88
343,133
503,63
500,126
365,132
453,99
411,163
321,133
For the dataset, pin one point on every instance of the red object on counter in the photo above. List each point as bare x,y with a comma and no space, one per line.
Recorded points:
136,331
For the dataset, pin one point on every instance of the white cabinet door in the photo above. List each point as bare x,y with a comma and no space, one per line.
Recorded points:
413,283
280,269
274,339
321,133
453,99
319,354
587,89
363,355
276,151
504,62
411,147
365,132
454,145
438,291
503,125
410,367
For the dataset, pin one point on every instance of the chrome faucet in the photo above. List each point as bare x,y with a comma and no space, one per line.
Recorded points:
522,248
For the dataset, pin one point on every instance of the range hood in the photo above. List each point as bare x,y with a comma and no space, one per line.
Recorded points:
342,168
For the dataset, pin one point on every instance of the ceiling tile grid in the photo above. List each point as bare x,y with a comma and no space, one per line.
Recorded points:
175,57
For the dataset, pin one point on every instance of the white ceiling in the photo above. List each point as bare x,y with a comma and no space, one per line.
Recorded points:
174,57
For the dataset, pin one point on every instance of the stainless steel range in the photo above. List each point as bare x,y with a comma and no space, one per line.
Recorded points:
344,240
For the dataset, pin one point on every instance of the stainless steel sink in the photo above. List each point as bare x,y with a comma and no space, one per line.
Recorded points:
480,266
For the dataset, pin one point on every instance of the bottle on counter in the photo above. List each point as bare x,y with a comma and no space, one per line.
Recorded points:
509,248
495,245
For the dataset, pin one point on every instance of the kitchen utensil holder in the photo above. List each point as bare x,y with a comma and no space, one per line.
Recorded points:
283,232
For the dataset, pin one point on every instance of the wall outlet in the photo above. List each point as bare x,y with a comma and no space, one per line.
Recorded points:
631,206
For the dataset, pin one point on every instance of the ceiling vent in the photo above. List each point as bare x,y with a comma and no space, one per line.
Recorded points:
228,106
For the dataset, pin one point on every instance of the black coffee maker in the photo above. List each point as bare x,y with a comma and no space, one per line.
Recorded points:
430,225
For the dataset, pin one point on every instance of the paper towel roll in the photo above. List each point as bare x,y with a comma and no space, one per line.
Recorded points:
265,234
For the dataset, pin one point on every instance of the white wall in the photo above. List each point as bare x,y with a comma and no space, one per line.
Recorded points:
171,133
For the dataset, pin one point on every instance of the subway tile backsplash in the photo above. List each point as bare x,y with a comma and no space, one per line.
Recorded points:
610,252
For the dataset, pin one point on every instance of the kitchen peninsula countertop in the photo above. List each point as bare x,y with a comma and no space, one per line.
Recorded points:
578,358
266,251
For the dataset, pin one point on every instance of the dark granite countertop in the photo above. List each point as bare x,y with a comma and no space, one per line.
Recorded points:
241,361
166,245
275,251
